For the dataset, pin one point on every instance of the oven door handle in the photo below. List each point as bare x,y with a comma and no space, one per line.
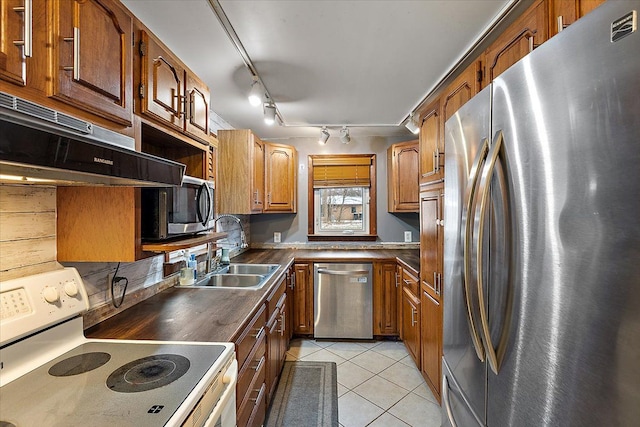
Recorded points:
230,379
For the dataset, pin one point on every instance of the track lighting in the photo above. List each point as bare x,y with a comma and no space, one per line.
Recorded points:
345,138
324,136
257,92
412,126
269,113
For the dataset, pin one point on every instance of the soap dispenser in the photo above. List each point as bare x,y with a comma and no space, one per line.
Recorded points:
187,276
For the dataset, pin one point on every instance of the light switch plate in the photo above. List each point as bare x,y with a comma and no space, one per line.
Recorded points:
277,236
407,237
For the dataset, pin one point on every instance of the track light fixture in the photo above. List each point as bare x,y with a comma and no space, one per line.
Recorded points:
345,138
257,92
324,136
412,126
269,113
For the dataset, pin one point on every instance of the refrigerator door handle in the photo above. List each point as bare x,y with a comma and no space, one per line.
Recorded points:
469,196
494,357
446,402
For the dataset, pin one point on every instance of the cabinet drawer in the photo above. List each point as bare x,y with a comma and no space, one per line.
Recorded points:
251,369
251,335
410,281
274,300
253,406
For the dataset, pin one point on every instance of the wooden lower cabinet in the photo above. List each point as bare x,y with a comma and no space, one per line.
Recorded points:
431,341
277,337
302,300
252,361
411,324
385,299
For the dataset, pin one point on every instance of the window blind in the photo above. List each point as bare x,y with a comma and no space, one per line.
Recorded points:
343,171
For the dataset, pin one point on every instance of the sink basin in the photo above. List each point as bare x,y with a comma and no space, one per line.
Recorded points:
263,269
238,276
232,280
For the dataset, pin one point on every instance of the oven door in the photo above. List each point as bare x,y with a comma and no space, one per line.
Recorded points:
192,207
224,413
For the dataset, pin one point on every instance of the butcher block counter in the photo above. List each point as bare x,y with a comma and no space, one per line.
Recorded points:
219,314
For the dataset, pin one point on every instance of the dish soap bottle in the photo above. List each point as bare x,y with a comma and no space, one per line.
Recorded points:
187,272
193,265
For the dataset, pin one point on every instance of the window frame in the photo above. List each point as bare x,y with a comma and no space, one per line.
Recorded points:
372,235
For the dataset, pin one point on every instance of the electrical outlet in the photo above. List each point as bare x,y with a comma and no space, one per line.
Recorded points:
407,237
277,237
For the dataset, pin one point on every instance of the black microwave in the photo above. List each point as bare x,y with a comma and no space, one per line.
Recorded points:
169,212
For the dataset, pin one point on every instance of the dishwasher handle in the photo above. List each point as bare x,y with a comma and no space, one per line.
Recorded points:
342,272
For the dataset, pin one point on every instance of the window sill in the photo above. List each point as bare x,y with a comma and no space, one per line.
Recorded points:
342,238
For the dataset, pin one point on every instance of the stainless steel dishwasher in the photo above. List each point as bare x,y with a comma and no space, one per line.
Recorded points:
343,296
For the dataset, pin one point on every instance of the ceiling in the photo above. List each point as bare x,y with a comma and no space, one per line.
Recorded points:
364,64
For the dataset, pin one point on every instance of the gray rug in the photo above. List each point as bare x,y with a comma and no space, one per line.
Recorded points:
307,396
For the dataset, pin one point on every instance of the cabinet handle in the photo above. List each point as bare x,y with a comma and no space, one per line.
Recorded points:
532,45
406,282
182,99
561,24
256,195
260,331
282,323
27,38
259,365
413,320
260,391
396,274
75,68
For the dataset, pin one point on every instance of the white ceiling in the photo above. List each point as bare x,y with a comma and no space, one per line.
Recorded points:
323,62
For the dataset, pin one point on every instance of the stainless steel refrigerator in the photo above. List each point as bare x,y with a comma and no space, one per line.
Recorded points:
542,236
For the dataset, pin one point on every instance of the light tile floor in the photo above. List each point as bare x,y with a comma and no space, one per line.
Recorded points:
378,383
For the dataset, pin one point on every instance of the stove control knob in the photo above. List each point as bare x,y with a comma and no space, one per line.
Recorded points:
50,295
71,289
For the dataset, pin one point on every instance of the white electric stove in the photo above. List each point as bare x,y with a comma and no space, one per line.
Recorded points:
52,375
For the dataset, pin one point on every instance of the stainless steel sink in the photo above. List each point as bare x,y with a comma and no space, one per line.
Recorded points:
232,280
238,276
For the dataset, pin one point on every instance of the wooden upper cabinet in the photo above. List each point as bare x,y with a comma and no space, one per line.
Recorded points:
280,178
14,38
197,107
563,13
255,176
431,144
162,83
402,177
521,37
461,90
170,94
91,65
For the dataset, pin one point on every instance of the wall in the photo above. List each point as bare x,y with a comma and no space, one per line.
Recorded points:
293,227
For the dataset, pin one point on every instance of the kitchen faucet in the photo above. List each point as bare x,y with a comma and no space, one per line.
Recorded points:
243,237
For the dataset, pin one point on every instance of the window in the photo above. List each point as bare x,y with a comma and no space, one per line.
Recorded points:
342,197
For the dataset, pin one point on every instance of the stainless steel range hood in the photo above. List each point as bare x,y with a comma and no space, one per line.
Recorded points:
42,146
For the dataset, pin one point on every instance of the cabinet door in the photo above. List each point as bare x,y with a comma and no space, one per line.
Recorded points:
520,38
403,177
385,299
565,12
257,183
431,145
431,240
303,300
15,29
162,84
197,108
92,57
280,178
411,324
431,340
461,90
273,355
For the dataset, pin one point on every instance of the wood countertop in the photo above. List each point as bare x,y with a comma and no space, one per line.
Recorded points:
218,314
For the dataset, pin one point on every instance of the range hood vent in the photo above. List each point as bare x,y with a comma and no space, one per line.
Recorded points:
39,145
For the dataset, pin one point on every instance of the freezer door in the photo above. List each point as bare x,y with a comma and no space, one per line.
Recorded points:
467,137
569,113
